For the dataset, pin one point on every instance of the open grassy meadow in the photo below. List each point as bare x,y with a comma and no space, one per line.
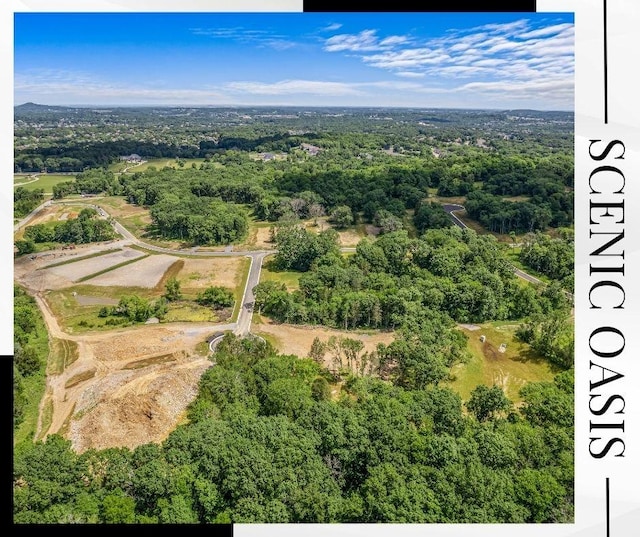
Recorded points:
510,369
45,181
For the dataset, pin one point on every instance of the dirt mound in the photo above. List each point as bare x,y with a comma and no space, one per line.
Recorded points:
134,407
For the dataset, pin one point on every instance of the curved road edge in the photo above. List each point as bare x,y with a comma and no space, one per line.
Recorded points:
450,208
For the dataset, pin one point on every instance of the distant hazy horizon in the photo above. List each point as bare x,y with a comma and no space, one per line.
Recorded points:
482,61
283,106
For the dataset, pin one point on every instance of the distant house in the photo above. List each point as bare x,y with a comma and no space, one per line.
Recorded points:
311,149
132,158
267,156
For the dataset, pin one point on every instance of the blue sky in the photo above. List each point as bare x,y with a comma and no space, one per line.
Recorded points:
455,60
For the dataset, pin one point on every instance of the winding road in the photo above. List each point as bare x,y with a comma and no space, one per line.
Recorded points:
450,208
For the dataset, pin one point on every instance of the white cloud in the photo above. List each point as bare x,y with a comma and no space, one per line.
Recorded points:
393,40
557,89
514,56
548,30
331,27
80,88
280,44
504,28
406,58
289,87
248,36
490,62
504,45
365,41
410,74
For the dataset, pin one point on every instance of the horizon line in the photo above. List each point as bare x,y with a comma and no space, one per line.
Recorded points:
407,107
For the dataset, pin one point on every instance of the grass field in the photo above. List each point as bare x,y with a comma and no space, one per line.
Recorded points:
158,163
510,370
269,273
76,318
44,181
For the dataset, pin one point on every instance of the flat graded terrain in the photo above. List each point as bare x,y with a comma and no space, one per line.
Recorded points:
297,340
36,272
144,273
85,267
199,274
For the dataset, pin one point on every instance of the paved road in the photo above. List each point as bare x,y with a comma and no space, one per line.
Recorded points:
27,218
243,324
450,208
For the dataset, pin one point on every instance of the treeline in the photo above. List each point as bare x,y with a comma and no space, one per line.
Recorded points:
535,214
30,344
25,201
386,282
96,181
551,336
553,257
266,444
64,156
85,228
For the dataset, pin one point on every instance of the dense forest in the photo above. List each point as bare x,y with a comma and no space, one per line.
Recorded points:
449,270
266,444
515,168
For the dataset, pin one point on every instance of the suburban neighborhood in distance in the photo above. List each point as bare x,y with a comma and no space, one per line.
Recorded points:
297,303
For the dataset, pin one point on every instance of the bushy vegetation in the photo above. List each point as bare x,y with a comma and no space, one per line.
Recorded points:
25,201
262,445
83,229
392,280
29,355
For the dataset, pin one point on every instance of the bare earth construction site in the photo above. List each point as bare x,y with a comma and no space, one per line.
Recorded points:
126,386
123,386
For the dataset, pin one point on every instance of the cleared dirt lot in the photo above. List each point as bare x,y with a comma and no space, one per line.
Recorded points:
297,340
203,273
85,267
144,273
56,213
127,387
